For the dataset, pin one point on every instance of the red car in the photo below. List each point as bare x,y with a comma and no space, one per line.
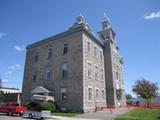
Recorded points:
11,108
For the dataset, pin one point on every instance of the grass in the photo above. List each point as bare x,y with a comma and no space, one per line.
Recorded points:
141,114
66,114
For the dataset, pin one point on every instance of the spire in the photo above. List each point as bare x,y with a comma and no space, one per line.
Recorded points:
105,22
80,21
107,32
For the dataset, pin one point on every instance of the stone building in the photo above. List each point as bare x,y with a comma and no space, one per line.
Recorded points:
80,70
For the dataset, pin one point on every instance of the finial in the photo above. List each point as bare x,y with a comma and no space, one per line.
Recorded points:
80,14
105,21
80,19
105,17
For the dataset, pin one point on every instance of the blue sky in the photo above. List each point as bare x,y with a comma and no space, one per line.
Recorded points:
137,24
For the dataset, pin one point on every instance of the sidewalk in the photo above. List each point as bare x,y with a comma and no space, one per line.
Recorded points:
68,118
100,115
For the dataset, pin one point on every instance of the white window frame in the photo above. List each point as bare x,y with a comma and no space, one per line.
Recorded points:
36,57
97,100
66,70
90,69
101,55
65,46
34,74
101,74
96,66
63,90
46,75
102,96
88,46
89,87
95,51
49,54
117,75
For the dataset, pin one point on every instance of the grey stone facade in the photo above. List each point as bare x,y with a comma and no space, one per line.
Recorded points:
77,68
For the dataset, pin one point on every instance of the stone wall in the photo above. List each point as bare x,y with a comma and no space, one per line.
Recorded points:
73,83
92,82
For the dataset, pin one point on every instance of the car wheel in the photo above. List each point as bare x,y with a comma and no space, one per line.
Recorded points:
30,115
19,114
10,113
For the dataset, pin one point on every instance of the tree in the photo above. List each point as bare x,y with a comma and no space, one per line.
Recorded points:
0,82
146,89
128,96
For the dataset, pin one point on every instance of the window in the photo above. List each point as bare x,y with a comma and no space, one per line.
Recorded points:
89,69
89,94
96,72
97,94
36,57
102,74
49,53
114,74
63,94
48,75
88,46
64,70
103,95
100,55
95,51
34,76
65,49
114,59
117,75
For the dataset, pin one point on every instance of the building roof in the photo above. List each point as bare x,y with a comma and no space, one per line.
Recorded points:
9,88
75,28
39,89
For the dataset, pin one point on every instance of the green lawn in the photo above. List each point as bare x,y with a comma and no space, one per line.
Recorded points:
141,114
66,114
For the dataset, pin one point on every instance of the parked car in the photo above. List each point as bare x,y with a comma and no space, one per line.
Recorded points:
11,108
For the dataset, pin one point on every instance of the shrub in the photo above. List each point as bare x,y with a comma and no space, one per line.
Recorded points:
48,106
33,105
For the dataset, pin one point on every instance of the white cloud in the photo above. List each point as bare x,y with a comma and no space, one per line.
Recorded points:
2,35
153,15
19,48
15,67
5,80
9,72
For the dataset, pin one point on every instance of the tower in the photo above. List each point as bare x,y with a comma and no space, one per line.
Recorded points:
115,95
